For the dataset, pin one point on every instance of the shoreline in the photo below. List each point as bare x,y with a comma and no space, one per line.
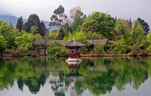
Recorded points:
83,55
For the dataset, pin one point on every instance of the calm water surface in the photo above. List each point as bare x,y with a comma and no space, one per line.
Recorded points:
46,76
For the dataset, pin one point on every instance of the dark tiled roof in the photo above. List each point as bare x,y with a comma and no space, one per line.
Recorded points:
100,41
42,42
71,43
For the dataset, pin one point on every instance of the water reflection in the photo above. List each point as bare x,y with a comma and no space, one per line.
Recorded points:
96,75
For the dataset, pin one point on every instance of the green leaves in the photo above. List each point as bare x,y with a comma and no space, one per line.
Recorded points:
77,23
101,23
3,43
80,36
24,42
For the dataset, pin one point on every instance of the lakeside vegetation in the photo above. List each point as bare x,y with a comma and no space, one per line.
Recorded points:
129,37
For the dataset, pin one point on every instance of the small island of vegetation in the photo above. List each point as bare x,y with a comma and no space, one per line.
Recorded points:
102,34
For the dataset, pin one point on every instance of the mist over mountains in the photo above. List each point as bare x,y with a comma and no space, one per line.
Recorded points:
10,18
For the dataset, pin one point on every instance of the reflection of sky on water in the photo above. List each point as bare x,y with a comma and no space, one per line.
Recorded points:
144,90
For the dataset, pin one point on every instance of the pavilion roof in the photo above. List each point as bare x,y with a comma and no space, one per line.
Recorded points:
74,43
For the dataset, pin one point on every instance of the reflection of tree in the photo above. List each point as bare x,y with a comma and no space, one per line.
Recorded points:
20,83
96,75
124,71
100,84
79,87
57,85
32,84
30,74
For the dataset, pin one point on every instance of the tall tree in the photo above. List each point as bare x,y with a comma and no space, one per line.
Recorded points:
8,32
19,24
56,20
39,27
42,29
74,12
3,43
121,27
144,25
32,20
101,23
77,23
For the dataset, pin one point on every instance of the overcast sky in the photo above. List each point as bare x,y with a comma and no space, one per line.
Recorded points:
44,8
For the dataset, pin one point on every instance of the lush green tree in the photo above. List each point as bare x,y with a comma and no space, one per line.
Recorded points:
101,23
3,43
149,40
77,23
24,42
19,24
33,29
94,35
138,38
9,33
62,33
54,49
137,32
53,35
99,48
121,27
80,36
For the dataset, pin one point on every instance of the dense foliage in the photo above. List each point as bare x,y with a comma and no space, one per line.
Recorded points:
127,37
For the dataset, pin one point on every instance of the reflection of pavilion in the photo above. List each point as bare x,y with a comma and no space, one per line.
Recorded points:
73,76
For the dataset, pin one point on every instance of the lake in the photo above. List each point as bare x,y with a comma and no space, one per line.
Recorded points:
46,76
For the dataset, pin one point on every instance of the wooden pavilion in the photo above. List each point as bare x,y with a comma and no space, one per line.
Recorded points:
74,53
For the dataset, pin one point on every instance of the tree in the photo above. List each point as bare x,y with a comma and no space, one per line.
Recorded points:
3,43
33,25
94,35
33,20
137,32
121,27
144,25
149,40
101,23
53,35
24,42
19,24
80,36
76,23
8,32
139,42
42,29
63,31
33,29
57,18
74,12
